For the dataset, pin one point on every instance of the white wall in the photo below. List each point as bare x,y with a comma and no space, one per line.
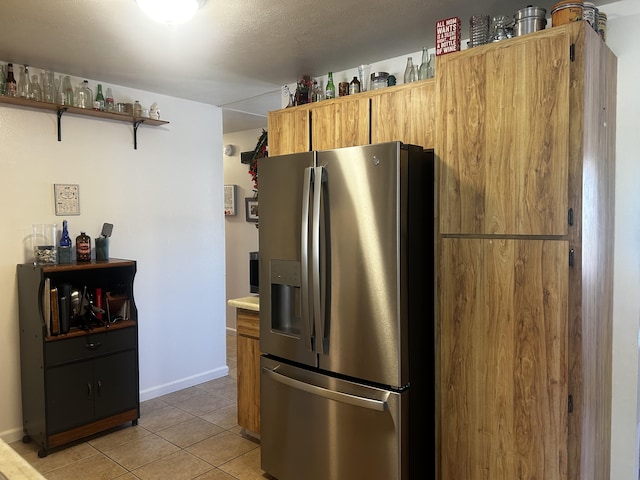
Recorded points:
164,200
623,21
241,236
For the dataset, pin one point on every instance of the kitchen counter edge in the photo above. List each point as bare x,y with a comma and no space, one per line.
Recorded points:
247,303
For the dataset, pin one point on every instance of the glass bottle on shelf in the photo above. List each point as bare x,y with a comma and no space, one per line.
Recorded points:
354,86
34,92
424,66
11,86
84,95
407,71
67,92
330,91
64,247
109,102
3,80
23,82
48,87
100,98
431,69
137,109
83,247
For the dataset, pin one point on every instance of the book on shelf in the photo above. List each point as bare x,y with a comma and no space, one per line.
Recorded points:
55,319
46,305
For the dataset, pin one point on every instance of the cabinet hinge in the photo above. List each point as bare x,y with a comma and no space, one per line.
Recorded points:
570,404
572,52
571,257
570,217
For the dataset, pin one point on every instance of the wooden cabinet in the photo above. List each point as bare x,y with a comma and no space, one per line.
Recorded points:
248,357
525,138
85,381
404,112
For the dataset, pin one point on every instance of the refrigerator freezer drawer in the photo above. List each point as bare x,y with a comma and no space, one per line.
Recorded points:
318,427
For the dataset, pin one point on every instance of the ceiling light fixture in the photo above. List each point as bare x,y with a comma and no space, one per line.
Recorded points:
170,12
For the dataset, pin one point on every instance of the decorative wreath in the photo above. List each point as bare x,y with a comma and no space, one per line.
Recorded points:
260,151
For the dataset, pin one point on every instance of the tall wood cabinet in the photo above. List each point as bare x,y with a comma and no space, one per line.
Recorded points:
248,348
83,381
525,135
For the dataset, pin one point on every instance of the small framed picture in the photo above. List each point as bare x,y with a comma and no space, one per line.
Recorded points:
251,208
67,199
230,199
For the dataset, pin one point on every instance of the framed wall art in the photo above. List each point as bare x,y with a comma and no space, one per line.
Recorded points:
251,209
67,198
230,204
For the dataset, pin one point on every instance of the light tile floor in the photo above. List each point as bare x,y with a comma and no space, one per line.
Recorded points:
186,435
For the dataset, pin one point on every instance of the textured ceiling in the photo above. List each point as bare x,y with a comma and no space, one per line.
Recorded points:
233,54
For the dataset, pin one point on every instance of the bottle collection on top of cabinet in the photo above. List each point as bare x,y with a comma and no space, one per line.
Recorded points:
46,87
50,246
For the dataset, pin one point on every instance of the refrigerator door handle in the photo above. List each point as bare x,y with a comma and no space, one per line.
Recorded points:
304,260
318,178
355,400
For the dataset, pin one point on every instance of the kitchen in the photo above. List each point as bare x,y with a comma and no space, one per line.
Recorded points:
171,250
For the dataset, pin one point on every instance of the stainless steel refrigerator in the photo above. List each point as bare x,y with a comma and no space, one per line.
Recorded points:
346,255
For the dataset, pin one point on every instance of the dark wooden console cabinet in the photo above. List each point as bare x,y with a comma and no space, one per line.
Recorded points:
84,381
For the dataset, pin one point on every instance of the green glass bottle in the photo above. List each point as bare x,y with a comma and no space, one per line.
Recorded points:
100,98
330,91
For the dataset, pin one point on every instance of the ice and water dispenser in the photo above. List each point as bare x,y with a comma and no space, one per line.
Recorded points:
285,297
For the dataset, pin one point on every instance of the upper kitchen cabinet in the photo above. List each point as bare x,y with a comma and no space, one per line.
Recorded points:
503,122
341,122
405,113
289,130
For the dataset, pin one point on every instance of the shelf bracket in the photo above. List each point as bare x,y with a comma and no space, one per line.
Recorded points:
136,124
60,112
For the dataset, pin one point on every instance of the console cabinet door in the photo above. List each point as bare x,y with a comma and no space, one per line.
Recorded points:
503,359
69,396
116,383
502,137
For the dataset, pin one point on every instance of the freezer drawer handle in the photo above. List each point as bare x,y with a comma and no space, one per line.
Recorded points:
370,403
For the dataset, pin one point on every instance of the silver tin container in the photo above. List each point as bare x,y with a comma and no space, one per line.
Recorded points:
528,20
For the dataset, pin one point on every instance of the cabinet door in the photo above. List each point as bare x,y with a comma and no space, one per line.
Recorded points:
340,123
502,136
289,131
406,114
503,361
116,383
69,396
248,327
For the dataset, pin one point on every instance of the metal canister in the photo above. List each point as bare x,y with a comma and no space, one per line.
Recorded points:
528,20
566,11
590,13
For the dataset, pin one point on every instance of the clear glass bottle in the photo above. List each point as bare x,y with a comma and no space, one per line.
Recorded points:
424,66
100,98
84,95
109,102
34,92
431,69
330,91
11,86
68,97
3,80
137,109
407,71
48,87
23,82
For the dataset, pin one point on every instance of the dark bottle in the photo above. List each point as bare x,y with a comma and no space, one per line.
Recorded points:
83,247
12,85
64,248
354,86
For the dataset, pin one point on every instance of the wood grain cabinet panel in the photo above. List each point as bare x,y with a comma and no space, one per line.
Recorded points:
289,130
526,147
342,122
248,357
405,113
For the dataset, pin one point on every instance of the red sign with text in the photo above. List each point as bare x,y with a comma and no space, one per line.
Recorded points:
447,35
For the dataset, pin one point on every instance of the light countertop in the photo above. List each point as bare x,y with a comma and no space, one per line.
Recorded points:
14,467
248,303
